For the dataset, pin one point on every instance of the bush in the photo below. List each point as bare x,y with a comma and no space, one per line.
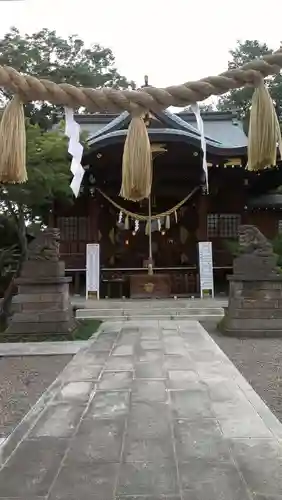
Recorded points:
8,262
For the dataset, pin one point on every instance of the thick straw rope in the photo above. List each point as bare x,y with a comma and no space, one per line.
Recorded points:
142,217
149,98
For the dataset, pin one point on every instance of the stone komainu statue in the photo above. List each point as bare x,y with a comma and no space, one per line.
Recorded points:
256,256
46,246
253,242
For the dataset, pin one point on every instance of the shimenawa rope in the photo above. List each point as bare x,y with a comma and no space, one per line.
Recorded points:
142,217
31,88
137,168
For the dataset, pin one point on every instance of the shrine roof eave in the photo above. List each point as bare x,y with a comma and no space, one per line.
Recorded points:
169,120
268,200
164,136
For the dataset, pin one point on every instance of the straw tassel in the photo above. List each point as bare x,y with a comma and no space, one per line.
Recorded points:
175,216
13,143
126,222
264,131
136,162
167,222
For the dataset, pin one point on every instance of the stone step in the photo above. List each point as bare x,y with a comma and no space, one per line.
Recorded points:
154,313
136,304
157,318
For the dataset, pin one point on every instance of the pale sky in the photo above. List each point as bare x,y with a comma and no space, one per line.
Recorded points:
172,41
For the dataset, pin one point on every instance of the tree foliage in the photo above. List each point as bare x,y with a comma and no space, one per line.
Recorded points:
48,179
239,100
48,169
45,54
8,234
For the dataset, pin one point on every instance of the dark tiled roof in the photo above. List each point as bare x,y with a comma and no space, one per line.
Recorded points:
220,128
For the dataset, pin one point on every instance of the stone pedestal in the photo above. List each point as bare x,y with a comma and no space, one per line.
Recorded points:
255,289
42,305
254,306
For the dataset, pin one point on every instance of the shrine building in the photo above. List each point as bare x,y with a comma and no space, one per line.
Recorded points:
183,214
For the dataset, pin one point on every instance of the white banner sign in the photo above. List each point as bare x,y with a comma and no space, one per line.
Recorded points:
206,269
92,269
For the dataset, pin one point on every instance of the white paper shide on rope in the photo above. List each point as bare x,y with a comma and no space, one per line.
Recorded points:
75,149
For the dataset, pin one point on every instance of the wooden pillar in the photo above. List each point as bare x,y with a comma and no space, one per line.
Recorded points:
202,231
93,220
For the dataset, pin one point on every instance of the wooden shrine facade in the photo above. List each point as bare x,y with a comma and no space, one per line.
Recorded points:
233,199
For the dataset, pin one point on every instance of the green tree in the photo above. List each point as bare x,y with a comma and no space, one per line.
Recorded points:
9,250
204,107
48,168
8,235
239,100
45,54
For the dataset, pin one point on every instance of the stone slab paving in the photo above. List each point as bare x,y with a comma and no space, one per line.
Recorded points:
146,411
41,348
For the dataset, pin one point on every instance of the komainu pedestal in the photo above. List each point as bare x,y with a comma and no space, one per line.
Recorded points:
255,289
42,305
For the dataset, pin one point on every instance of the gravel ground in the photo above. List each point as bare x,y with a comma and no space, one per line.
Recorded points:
259,360
22,381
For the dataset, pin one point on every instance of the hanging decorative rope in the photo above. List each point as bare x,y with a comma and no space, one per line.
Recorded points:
136,182
264,130
167,222
142,217
148,98
126,222
13,143
136,162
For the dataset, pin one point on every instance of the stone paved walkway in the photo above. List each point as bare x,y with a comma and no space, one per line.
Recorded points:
147,411
41,348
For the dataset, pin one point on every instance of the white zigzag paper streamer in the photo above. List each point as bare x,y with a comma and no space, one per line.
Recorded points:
200,124
75,149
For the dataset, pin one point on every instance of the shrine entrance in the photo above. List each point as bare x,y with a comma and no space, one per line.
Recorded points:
125,248
136,238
